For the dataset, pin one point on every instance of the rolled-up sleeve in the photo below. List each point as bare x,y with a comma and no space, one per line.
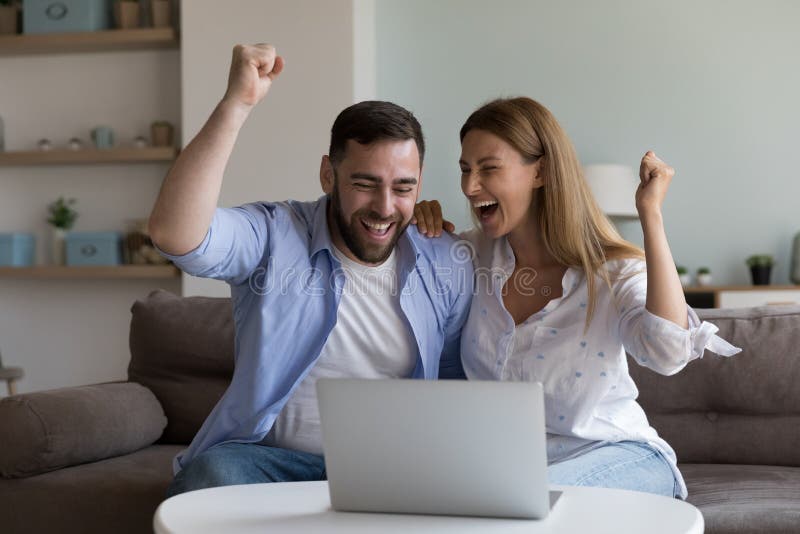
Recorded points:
236,242
653,341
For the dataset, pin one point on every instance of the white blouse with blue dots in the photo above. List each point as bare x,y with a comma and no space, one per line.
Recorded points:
590,398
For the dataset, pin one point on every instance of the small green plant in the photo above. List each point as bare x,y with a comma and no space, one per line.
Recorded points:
61,213
703,270
760,260
681,269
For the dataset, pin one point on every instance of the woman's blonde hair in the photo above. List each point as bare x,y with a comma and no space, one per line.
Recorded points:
574,229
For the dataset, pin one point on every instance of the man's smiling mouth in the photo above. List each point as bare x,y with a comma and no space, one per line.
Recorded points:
377,229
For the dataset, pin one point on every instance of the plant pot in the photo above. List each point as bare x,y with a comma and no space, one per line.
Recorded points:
126,14
760,275
162,134
8,20
704,279
686,279
58,248
160,13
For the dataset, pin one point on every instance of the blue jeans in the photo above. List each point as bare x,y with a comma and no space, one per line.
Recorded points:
625,465
246,463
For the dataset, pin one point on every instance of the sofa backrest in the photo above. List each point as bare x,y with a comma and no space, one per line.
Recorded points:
182,350
744,409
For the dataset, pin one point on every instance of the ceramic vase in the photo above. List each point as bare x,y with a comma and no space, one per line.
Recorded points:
162,134
126,14
160,13
704,279
8,20
58,247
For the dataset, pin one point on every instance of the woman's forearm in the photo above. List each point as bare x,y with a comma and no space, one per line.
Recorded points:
665,296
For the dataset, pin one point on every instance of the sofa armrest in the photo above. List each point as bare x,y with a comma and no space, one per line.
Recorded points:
48,430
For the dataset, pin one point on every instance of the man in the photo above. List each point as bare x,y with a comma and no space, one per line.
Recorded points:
337,287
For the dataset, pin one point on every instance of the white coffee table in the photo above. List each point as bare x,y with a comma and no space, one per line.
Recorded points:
305,507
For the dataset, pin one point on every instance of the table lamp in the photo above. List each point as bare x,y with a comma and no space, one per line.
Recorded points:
614,189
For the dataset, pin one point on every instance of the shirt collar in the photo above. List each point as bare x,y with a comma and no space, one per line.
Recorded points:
505,261
320,233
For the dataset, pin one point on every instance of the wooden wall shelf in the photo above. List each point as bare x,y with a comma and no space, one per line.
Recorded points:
100,41
88,156
116,272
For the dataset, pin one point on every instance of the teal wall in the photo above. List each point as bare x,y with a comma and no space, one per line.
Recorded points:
712,86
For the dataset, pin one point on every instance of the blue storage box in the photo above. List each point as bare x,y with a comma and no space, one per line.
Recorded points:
49,16
17,250
93,248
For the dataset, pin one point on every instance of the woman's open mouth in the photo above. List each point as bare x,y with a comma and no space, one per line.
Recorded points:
485,208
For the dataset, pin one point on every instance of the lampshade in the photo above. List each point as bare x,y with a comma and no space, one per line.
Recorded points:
614,188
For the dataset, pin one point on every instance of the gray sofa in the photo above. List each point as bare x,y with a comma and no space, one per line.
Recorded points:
735,422
98,458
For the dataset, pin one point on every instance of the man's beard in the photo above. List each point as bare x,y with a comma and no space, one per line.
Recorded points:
361,249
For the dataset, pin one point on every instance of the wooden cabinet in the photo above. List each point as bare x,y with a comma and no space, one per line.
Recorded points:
742,296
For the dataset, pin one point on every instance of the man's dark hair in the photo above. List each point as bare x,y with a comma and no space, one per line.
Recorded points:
370,121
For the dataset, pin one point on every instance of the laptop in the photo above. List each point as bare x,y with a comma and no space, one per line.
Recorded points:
435,447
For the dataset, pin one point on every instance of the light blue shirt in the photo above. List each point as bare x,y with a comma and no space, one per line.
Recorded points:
286,287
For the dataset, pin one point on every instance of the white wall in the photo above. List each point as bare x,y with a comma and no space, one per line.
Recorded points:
277,154
66,333
711,86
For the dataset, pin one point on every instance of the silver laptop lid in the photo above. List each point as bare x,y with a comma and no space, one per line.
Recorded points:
435,447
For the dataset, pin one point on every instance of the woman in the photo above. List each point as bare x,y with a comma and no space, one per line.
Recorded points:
560,296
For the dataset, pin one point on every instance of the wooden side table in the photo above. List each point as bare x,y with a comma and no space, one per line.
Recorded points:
10,375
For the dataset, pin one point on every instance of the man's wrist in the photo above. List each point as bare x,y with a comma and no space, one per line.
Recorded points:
234,111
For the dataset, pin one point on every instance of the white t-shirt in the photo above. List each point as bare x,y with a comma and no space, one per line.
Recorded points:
371,339
590,398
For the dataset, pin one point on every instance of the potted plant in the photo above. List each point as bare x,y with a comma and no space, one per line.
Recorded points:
703,276
126,13
684,276
62,218
760,268
162,132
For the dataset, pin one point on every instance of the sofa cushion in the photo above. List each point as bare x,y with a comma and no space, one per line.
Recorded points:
745,498
182,350
117,495
52,429
743,409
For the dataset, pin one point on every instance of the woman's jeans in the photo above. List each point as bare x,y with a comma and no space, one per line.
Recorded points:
625,465
629,465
